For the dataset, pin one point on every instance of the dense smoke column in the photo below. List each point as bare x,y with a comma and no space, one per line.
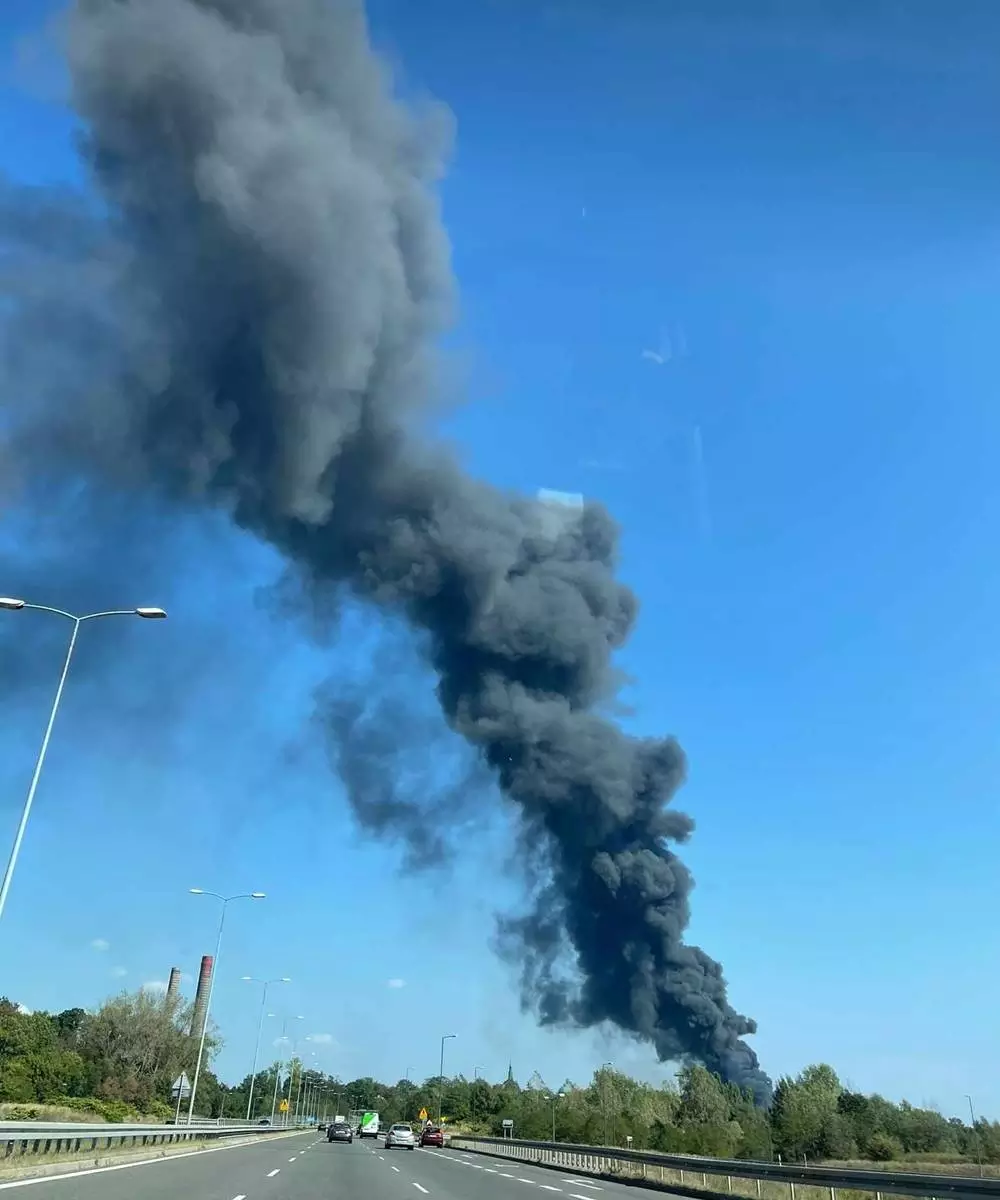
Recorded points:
273,273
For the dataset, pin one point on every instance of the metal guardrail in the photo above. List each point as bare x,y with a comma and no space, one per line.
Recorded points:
27,1139
656,1168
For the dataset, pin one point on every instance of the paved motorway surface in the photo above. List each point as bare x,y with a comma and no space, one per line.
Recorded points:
307,1167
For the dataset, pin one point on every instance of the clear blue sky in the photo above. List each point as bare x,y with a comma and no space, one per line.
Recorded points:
796,218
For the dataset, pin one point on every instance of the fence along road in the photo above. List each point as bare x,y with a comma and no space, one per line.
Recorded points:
696,1176
31,1140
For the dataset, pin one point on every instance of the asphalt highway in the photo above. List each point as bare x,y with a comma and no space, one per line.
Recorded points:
307,1167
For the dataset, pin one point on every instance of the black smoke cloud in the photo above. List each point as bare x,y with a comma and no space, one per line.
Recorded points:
244,317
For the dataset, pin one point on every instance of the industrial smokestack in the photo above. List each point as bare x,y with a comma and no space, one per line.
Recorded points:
200,1011
173,985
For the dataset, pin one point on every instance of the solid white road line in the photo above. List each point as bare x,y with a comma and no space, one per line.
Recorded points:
271,1174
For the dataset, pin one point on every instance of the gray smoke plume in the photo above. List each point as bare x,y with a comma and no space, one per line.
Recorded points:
245,316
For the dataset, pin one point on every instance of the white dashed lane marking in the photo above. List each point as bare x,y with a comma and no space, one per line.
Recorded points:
396,1169
420,1188
271,1174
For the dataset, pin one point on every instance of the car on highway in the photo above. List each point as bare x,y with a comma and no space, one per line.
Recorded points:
432,1135
321,1127
340,1131
400,1137
264,1121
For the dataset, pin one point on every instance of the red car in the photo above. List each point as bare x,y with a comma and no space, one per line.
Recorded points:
431,1135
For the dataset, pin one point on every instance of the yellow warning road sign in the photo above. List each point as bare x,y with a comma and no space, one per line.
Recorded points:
283,1106
423,1114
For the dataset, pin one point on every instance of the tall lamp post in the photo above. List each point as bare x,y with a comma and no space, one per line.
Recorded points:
225,900
604,1098
975,1130
12,605
260,1028
277,1073
555,1098
446,1038
475,1076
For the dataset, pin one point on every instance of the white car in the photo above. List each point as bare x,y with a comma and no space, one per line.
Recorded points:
400,1137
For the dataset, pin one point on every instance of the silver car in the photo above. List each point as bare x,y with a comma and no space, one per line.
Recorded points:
400,1137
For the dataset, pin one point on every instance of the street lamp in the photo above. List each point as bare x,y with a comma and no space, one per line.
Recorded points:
604,1098
447,1037
277,1073
555,1099
12,605
260,1027
215,971
979,1144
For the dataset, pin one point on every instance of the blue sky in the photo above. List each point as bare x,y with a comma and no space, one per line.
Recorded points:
795,217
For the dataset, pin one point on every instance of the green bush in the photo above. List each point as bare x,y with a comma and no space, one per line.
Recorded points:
116,1111
883,1147
157,1110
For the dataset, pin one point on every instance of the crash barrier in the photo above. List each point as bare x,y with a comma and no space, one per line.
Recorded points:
28,1139
696,1176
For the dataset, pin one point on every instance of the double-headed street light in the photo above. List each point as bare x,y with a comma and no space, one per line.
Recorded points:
260,1028
12,605
215,971
555,1098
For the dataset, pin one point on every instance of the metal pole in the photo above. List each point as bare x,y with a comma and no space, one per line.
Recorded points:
274,1101
447,1037
979,1145
8,874
208,1009
256,1049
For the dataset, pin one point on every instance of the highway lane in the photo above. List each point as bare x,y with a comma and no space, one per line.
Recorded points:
216,1174
508,1179
307,1167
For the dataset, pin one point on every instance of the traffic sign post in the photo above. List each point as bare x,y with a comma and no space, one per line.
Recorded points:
423,1114
180,1089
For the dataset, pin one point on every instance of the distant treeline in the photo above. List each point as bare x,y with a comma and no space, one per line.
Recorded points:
120,1061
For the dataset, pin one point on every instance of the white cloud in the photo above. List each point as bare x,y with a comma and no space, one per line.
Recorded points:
396,983
23,1008
322,1039
654,356
119,972
100,944
154,985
